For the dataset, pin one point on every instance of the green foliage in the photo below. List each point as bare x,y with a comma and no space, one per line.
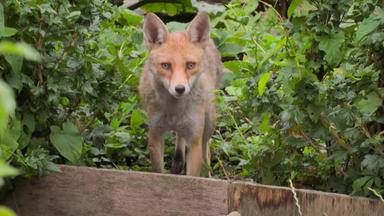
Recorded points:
78,101
303,98
4,211
67,141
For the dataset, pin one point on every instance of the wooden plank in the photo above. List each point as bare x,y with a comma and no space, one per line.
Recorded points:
89,191
255,199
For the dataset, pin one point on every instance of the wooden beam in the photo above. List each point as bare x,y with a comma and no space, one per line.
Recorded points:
256,199
91,191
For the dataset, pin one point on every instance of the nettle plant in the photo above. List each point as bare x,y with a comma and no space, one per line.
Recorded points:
79,103
304,99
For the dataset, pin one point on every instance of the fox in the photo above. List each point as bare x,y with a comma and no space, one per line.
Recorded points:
177,88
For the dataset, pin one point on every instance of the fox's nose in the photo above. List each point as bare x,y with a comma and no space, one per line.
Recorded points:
180,89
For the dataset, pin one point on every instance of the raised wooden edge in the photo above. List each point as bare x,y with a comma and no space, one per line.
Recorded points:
91,191
258,199
94,191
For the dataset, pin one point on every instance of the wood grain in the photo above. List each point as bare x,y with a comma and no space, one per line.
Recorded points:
88,191
255,199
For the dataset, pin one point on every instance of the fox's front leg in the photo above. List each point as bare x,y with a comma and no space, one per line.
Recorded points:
156,150
194,157
195,150
179,158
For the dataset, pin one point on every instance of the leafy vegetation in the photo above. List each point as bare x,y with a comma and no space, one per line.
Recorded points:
302,99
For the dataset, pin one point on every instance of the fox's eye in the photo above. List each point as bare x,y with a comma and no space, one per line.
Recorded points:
166,66
190,65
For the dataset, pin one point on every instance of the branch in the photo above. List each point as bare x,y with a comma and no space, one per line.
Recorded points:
144,2
332,129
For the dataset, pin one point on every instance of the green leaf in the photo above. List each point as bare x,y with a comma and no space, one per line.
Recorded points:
136,119
5,31
237,66
264,78
331,44
264,124
7,104
292,7
15,61
2,23
74,15
369,104
176,26
230,49
8,32
7,170
211,8
303,9
367,26
21,49
131,17
8,145
373,162
5,211
361,183
67,141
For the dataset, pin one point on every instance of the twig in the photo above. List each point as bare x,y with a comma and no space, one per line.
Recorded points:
144,2
223,168
312,142
332,129
363,127
75,38
295,197
376,194
273,8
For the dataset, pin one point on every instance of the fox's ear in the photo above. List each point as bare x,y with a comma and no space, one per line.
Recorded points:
155,31
199,29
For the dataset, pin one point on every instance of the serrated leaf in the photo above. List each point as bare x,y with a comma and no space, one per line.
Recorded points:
67,141
369,104
264,78
372,162
331,44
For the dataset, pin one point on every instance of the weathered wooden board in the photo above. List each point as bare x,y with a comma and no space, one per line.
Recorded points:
255,199
88,191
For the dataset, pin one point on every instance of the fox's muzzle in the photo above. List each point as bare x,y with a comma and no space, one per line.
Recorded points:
179,90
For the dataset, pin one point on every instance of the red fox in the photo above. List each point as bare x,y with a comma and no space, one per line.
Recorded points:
177,87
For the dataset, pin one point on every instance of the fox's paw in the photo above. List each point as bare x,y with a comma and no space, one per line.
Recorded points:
177,167
178,163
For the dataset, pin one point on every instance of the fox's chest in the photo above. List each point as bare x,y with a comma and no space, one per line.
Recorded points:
181,118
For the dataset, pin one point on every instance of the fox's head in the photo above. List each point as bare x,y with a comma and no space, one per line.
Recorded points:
177,59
